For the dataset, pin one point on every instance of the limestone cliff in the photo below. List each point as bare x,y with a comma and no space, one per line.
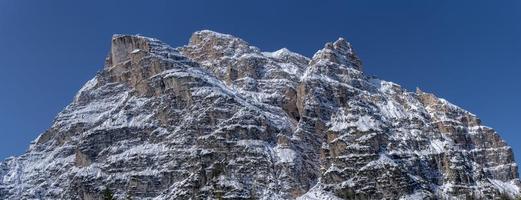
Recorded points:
220,119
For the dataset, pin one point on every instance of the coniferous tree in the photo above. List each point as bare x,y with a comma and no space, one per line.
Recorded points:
107,194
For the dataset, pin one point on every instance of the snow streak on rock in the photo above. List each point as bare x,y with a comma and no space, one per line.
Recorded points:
220,119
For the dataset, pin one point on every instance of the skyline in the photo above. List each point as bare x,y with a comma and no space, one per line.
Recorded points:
465,54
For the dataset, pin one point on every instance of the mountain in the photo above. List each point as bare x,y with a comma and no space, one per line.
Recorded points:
220,119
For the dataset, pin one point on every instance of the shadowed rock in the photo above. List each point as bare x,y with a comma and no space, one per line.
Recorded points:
220,119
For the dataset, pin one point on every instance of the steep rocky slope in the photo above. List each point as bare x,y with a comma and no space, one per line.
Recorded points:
219,119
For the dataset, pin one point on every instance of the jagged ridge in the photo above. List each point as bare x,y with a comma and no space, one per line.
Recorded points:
218,118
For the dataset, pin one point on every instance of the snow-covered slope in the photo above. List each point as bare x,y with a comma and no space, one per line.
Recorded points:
219,119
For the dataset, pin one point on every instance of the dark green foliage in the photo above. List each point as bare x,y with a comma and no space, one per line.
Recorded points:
218,169
107,194
348,194
219,194
505,196
471,196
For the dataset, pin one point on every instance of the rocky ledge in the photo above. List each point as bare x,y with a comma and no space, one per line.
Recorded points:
220,119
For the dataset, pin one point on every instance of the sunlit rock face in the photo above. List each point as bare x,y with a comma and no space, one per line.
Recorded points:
220,119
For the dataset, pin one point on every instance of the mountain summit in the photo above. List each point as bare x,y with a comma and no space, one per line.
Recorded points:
220,119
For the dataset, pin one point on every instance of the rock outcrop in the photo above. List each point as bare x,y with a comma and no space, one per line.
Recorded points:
219,119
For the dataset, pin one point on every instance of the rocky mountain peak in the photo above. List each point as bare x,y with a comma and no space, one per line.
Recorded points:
218,44
123,45
340,52
219,119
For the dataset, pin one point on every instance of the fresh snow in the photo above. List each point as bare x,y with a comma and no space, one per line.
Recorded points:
317,193
377,113
508,187
285,155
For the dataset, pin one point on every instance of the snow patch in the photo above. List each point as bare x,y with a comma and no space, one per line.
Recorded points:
507,187
382,162
317,193
285,155
343,120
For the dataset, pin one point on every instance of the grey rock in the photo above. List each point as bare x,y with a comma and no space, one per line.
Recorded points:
219,119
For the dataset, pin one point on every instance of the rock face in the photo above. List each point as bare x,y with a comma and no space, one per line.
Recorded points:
219,119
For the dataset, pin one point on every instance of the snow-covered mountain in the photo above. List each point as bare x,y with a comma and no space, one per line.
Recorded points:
220,119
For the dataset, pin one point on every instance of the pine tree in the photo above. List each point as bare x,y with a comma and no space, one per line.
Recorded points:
107,194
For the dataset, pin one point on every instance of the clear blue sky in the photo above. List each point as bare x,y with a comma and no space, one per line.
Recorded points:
468,52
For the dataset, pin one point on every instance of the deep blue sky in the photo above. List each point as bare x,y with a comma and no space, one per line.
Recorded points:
468,52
